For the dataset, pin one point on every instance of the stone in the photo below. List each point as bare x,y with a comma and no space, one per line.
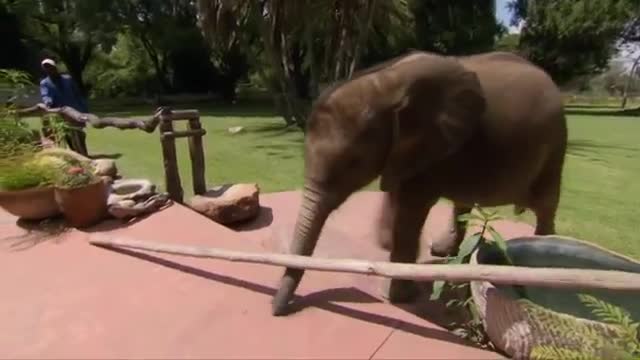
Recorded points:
228,204
107,179
127,203
235,129
105,167
131,189
127,209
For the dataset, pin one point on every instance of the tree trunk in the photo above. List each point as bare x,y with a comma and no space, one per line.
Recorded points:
274,38
627,84
158,64
363,35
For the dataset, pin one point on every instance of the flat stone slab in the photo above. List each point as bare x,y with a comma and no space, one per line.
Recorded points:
63,298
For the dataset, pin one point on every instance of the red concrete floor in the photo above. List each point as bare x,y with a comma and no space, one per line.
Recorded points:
63,298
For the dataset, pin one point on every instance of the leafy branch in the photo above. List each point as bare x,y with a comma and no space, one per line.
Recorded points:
625,345
471,243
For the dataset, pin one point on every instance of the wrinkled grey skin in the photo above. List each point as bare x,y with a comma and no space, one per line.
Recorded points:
487,129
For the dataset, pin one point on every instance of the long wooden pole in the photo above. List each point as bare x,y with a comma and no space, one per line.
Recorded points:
496,274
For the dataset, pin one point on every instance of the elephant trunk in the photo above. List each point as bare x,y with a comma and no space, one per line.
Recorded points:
315,208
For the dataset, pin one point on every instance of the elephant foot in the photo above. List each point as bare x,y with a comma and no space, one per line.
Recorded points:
445,246
447,243
400,291
444,251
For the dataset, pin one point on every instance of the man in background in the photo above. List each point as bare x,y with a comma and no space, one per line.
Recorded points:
57,90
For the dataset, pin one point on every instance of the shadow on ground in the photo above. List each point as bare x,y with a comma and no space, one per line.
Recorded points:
591,106
264,220
592,151
591,145
113,156
37,232
573,110
331,300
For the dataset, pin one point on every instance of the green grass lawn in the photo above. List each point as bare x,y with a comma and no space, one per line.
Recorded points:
600,199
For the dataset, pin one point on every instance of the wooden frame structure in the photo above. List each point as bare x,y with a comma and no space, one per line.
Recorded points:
168,136
163,118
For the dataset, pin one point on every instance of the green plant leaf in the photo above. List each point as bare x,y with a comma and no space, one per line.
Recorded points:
609,313
484,213
453,302
499,241
438,285
468,245
468,217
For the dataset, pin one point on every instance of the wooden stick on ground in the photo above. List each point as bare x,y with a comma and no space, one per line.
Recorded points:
544,277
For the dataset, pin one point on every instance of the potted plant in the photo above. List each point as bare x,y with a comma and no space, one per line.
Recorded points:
81,196
25,180
26,189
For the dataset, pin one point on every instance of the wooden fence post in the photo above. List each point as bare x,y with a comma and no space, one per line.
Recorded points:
171,171
196,152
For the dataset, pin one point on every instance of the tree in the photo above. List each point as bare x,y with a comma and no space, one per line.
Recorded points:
455,27
321,41
571,38
63,29
630,41
15,54
157,24
508,42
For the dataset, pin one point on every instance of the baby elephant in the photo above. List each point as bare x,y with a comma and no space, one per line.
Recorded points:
487,129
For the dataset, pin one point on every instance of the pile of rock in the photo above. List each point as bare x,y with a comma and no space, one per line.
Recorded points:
134,197
128,198
228,204
106,169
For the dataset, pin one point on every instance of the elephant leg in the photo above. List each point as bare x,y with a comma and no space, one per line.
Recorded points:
449,243
407,214
385,221
546,197
545,211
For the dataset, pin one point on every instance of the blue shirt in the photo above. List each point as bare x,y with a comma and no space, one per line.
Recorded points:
63,93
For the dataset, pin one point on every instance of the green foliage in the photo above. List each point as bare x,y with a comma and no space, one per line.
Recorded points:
455,27
508,42
569,38
125,70
21,173
471,328
471,243
594,341
614,315
75,176
166,32
16,138
64,29
18,144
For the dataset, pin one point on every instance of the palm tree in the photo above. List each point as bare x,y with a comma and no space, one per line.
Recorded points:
319,40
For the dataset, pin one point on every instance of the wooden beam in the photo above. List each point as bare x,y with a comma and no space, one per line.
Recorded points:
178,115
72,115
196,153
171,171
184,133
496,274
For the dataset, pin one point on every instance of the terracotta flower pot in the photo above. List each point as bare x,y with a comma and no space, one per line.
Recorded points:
30,204
83,206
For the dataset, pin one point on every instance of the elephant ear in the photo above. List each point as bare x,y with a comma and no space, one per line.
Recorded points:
433,120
